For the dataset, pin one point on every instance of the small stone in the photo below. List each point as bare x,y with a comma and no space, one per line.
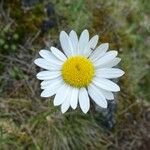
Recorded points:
107,117
50,9
29,3
46,25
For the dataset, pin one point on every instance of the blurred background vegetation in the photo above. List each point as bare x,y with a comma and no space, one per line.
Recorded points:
30,122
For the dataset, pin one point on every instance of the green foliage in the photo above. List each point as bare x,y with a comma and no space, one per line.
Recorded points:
8,40
18,74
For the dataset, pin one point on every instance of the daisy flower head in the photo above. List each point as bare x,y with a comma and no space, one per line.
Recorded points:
83,71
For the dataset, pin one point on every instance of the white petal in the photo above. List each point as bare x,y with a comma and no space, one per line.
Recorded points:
84,100
61,95
66,104
107,94
66,43
93,41
109,73
109,56
99,52
83,41
47,82
106,84
46,65
113,63
48,56
87,51
74,98
50,83
46,75
48,92
97,96
58,54
74,40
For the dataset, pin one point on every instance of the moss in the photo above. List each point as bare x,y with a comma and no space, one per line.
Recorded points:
8,40
26,21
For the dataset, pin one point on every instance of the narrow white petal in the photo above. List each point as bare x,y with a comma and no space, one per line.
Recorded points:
66,104
61,95
74,98
106,84
99,52
83,41
50,83
48,92
74,39
48,56
58,54
108,57
93,41
45,64
112,63
46,75
97,96
109,73
47,82
107,94
45,54
66,43
84,100
87,51
72,50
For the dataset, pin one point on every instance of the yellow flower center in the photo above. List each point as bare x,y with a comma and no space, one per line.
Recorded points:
78,71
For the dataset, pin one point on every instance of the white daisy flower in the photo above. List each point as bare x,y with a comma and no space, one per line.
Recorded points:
82,71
